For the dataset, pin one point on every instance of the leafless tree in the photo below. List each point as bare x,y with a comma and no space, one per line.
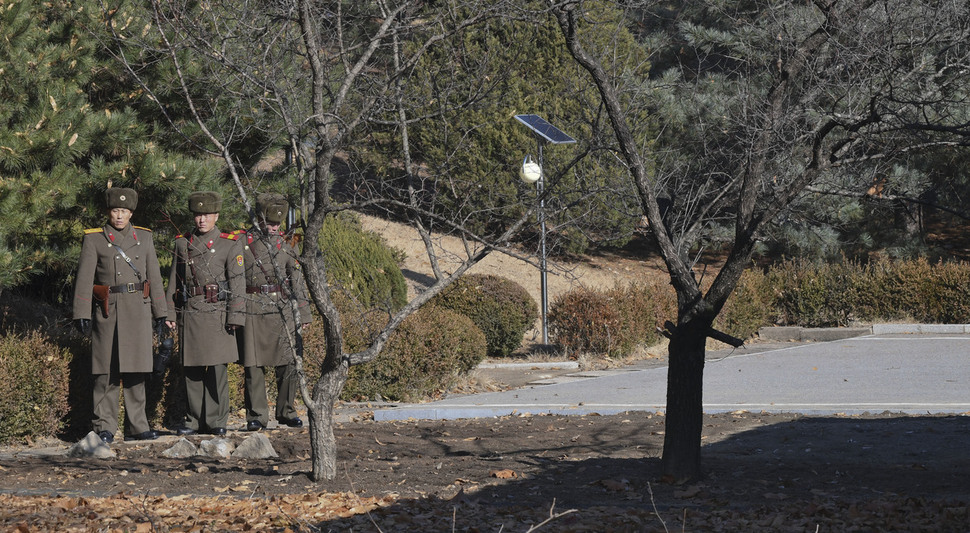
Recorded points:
754,105
315,76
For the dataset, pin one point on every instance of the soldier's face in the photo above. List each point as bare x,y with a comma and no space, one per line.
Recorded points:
205,222
272,229
119,217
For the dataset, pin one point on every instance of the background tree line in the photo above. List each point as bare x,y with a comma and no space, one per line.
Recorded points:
74,120
749,128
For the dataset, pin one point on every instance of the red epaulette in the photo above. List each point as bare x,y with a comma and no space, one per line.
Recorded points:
240,232
181,236
230,236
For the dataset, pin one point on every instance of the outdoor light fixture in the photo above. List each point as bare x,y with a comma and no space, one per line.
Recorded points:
532,173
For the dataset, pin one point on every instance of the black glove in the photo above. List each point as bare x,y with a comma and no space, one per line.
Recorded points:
83,325
158,325
162,355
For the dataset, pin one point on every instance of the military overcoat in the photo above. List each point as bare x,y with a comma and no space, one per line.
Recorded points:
129,312
272,276
213,259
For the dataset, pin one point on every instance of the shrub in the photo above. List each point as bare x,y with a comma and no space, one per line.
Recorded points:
361,264
34,399
582,320
500,307
814,294
611,322
423,356
915,290
749,307
645,307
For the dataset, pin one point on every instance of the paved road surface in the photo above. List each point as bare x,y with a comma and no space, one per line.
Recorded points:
920,373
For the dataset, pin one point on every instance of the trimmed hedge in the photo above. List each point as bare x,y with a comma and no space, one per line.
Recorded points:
835,294
424,356
611,322
500,307
795,292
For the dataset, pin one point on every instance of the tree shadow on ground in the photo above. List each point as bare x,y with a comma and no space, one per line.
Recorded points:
761,462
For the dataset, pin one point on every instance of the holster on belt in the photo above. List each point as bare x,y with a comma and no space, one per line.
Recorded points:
146,291
216,292
101,296
212,293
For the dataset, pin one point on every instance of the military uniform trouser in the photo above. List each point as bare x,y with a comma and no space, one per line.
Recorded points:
106,388
287,384
207,395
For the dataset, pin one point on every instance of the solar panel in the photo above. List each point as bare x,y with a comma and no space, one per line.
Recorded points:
544,129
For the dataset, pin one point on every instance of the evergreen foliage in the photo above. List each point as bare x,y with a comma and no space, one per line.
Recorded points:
470,159
361,265
714,60
68,129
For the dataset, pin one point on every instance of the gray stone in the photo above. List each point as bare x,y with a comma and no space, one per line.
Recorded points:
91,446
218,447
256,446
181,450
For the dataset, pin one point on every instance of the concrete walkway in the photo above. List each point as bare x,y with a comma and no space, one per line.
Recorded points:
914,369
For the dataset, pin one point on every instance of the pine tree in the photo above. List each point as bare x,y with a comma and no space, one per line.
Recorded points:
471,157
69,128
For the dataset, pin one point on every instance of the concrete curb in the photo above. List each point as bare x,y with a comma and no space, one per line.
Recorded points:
454,412
800,334
796,333
914,329
544,364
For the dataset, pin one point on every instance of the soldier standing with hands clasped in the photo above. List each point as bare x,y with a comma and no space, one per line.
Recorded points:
119,289
273,280
206,298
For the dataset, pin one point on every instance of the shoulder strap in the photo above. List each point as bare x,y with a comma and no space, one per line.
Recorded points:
92,230
124,256
143,228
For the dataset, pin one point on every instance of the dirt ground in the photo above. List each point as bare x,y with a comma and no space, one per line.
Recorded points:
767,472
764,472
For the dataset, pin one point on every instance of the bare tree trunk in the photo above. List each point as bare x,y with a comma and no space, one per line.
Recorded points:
323,444
685,407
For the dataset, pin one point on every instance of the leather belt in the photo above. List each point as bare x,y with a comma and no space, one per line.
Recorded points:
213,292
262,289
127,287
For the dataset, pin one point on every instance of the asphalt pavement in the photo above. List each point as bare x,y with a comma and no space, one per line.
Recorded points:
911,369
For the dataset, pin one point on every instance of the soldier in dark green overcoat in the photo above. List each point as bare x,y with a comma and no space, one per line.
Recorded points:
117,292
273,281
206,297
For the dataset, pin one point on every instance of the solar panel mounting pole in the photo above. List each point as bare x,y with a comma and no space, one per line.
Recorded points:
544,132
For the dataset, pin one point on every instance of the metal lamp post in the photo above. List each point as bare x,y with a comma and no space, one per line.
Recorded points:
532,173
